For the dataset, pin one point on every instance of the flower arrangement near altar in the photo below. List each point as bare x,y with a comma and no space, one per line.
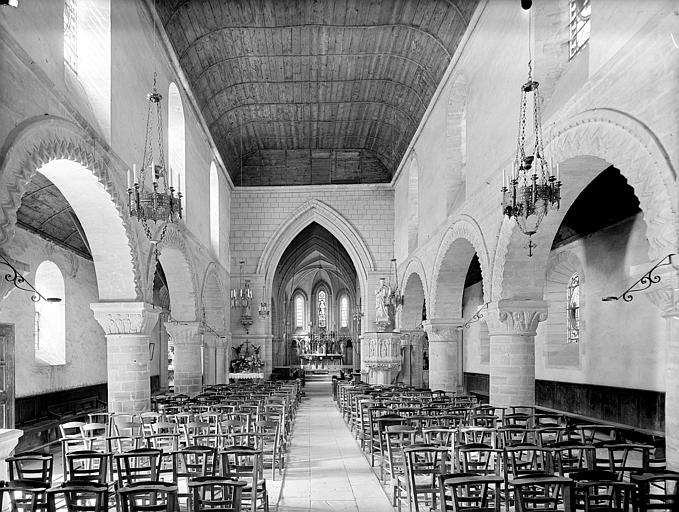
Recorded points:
247,359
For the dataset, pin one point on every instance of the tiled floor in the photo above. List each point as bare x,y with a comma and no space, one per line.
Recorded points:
326,469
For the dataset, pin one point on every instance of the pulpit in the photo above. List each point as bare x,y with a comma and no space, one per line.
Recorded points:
381,354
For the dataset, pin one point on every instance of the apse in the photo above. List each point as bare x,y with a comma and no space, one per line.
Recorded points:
315,292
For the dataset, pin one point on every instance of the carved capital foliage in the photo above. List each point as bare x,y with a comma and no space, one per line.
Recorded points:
183,332
442,331
516,317
134,318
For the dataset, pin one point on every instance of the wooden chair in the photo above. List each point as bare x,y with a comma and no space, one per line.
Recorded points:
87,466
149,497
192,462
246,463
424,463
397,437
543,493
25,495
136,466
31,466
71,439
79,497
467,492
657,490
216,493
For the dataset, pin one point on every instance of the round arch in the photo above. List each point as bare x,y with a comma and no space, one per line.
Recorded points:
181,279
585,145
330,219
213,299
461,240
414,294
91,181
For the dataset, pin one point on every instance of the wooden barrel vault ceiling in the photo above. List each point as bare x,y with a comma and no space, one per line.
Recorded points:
314,91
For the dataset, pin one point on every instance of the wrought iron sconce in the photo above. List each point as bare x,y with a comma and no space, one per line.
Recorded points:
20,282
643,283
475,317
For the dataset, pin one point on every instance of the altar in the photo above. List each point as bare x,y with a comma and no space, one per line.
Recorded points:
320,361
246,376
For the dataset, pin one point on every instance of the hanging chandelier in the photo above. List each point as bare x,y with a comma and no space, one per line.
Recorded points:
533,188
396,294
263,306
241,297
155,201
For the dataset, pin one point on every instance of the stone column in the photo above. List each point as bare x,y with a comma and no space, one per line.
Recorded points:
512,325
220,356
445,345
127,326
188,369
665,296
209,359
162,350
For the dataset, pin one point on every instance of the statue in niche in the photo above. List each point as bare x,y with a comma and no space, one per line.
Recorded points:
382,305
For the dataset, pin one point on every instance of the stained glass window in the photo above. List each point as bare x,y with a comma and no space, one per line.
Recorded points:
322,309
573,309
579,25
344,311
299,311
71,34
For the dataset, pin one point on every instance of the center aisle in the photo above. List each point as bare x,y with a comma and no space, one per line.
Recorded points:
326,469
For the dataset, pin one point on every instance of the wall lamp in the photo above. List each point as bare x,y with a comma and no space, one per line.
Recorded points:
643,283
20,282
475,317
152,350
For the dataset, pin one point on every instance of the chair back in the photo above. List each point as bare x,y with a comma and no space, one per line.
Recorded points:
137,466
79,497
544,494
216,493
657,490
468,492
31,466
88,466
242,462
149,497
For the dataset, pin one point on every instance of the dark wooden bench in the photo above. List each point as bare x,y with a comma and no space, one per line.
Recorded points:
39,416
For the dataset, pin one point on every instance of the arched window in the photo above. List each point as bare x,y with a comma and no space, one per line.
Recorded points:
299,311
573,309
176,141
322,309
50,317
87,53
344,311
71,34
579,25
214,208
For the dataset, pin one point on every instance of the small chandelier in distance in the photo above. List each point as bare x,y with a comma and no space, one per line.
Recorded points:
242,298
533,188
157,202
263,306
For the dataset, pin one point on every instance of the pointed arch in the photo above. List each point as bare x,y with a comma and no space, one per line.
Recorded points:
324,215
585,145
92,181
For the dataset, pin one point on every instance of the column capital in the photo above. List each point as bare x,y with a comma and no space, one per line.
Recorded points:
125,317
183,332
442,330
517,317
